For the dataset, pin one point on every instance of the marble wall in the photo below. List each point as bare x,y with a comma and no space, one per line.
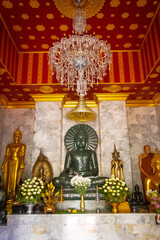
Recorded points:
45,127
114,130
158,117
143,129
24,120
47,133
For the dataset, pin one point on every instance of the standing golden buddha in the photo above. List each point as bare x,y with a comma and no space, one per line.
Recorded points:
13,164
117,165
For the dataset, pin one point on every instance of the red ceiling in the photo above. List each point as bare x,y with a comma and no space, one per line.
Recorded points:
28,29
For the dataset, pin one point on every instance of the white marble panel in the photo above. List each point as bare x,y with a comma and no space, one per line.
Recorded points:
143,129
81,227
47,133
114,129
23,119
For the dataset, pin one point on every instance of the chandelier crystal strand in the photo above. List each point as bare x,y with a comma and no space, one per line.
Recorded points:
80,60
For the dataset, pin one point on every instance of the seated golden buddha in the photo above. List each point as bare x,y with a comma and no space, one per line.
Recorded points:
153,181
81,141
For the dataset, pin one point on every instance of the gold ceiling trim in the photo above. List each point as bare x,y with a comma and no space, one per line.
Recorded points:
144,103
49,97
72,104
21,104
13,104
68,7
98,97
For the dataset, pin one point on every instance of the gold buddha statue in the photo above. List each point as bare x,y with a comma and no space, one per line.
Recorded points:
13,164
153,181
117,165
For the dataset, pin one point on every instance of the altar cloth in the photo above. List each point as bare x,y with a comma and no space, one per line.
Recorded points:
129,226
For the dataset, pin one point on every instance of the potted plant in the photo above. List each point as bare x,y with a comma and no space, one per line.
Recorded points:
30,193
155,201
115,191
81,185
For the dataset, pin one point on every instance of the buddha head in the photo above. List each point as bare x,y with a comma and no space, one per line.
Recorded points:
156,162
81,139
17,136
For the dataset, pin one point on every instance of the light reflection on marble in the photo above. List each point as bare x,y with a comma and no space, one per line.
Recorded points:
114,129
143,129
81,227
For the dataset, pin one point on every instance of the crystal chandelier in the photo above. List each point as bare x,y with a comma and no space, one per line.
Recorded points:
80,60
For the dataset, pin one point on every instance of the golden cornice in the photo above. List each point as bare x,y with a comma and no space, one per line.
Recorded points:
72,104
144,103
21,104
12,104
98,97
49,97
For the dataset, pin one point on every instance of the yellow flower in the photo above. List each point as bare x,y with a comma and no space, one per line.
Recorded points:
74,211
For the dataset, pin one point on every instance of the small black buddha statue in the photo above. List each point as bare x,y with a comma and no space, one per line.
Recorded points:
137,200
81,141
3,198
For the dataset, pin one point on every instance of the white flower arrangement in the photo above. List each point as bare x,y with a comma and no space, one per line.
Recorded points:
114,190
31,190
80,184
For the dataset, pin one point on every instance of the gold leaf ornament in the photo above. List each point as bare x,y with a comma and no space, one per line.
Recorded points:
68,7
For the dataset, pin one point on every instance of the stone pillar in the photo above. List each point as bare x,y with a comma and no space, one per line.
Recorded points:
114,130
47,133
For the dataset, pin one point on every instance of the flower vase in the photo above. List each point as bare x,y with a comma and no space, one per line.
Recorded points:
82,203
114,207
30,208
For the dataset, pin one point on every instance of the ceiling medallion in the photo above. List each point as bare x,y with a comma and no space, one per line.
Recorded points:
46,89
112,88
68,7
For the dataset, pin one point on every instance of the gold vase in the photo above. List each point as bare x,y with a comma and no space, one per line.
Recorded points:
114,207
82,203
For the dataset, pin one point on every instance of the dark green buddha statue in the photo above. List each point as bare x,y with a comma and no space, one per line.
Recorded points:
81,142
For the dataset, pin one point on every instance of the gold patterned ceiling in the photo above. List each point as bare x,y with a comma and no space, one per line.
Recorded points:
29,28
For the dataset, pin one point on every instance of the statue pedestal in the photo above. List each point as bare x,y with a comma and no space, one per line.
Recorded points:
90,205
